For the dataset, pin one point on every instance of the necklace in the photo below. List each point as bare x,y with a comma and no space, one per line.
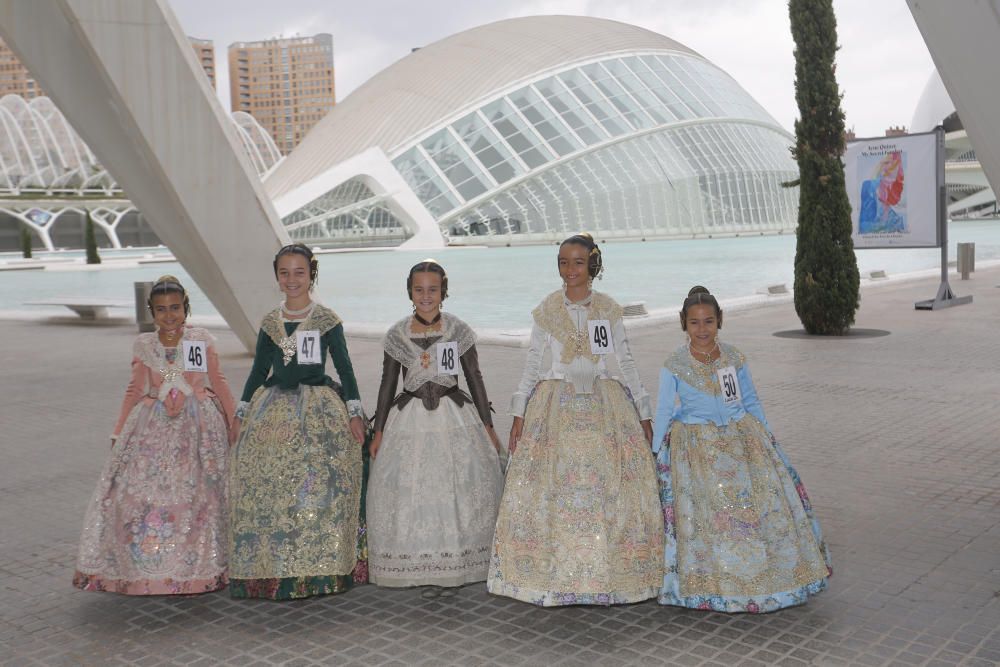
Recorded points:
707,355
171,336
434,320
300,311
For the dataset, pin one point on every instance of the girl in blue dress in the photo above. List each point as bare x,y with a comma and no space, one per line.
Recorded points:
740,532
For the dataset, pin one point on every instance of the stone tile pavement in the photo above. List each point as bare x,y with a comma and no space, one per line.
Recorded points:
897,439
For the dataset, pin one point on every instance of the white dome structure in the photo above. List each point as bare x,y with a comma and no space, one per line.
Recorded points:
529,128
969,192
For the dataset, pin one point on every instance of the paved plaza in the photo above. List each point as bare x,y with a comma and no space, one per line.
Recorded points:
896,437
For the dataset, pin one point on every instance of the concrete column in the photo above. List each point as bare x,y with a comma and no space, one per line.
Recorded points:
126,78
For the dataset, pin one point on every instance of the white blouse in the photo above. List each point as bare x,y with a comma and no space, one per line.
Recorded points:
581,371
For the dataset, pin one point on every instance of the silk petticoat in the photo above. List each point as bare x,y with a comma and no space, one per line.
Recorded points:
579,522
157,522
296,477
433,495
740,531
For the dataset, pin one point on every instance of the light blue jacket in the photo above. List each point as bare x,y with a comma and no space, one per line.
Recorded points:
690,393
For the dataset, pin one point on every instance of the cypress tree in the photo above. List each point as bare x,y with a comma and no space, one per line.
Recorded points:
90,240
25,242
826,270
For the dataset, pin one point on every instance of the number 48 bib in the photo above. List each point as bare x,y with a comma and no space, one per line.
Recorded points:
730,385
447,358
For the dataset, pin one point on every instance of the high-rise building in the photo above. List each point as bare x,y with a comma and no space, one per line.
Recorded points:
205,49
17,80
285,84
14,77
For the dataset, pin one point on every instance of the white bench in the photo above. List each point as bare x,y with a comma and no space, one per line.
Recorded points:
86,308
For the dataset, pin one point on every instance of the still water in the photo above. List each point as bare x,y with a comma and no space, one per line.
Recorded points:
496,288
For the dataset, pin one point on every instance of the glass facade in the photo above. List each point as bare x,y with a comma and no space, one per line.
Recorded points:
348,213
647,144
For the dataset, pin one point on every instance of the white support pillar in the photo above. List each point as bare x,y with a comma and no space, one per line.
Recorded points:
964,41
125,76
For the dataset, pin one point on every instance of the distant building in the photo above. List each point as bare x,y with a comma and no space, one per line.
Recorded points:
285,84
15,79
205,49
894,131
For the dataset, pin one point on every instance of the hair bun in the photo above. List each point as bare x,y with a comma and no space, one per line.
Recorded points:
698,289
587,235
167,278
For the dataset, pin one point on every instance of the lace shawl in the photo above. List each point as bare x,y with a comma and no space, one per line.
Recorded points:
552,316
421,365
150,351
321,318
703,377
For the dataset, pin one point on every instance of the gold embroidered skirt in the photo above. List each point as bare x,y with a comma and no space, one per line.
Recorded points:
295,487
580,519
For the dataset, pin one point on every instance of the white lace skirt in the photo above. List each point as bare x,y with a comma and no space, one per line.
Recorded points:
433,493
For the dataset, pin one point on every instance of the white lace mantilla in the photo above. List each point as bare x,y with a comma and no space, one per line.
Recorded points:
150,351
421,365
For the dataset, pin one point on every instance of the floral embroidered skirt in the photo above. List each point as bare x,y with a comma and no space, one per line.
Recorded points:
296,479
580,520
741,534
432,497
157,524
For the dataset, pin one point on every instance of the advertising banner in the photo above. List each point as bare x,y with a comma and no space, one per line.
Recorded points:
892,184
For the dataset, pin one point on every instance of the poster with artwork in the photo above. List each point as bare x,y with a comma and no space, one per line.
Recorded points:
892,185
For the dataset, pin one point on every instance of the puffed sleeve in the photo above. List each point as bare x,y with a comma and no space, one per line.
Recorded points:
386,390
219,383
631,374
337,345
261,367
666,407
532,372
477,388
751,403
134,392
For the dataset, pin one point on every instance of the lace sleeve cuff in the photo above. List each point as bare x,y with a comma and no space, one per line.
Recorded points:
645,407
354,409
518,404
241,409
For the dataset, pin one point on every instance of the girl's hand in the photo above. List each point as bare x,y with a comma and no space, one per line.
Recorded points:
493,438
515,434
375,444
647,430
234,431
358,429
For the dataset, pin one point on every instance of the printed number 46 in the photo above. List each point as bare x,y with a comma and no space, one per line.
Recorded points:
194,356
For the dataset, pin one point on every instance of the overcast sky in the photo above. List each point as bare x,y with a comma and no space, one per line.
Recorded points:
882,66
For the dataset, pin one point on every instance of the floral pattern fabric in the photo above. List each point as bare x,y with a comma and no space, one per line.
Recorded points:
740,531
156,523
579,521
296,479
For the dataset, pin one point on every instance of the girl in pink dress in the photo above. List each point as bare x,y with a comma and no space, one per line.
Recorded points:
157,523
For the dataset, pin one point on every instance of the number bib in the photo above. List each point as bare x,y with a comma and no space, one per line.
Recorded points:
600,337
307,346
195,356
447,358
729,384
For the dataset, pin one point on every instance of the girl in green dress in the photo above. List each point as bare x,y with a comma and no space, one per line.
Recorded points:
297,473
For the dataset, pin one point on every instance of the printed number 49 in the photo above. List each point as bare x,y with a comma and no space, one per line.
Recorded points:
601,336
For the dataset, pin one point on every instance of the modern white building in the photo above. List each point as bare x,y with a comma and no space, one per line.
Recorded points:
969,193
49,177
527,129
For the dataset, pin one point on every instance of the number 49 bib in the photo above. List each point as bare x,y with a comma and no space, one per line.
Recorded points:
600,337
730,385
